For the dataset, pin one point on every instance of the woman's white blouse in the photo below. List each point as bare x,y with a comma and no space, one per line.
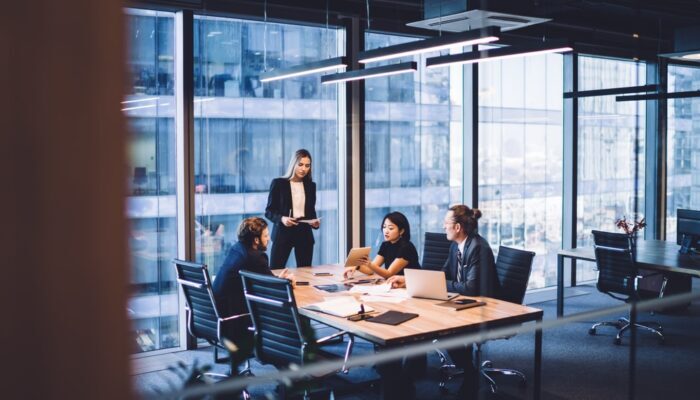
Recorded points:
298,199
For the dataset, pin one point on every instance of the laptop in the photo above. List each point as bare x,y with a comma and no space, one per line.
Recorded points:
427,284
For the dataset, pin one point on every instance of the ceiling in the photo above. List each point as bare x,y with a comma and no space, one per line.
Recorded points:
625,28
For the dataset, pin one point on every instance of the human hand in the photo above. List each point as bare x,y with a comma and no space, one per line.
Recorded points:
397,281
289,221
349,272
315,223
287,274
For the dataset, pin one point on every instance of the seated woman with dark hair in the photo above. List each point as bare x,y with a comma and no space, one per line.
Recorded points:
396,252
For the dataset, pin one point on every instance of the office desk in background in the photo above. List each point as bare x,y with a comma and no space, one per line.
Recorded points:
431,323
657,255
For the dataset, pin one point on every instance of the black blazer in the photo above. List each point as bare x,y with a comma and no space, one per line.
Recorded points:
279,202
228,286
478,270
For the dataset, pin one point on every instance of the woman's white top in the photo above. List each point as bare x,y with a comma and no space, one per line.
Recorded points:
298,199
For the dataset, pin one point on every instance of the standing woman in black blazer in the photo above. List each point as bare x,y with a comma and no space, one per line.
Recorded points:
292,199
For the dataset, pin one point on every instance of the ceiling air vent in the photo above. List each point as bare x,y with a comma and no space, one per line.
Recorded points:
474,19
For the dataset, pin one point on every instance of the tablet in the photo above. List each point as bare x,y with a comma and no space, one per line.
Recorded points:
357,253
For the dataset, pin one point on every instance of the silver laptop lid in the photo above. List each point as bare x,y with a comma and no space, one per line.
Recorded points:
426,284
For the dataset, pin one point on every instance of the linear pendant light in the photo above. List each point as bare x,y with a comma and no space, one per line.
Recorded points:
468,38
384,70
498,54
304,69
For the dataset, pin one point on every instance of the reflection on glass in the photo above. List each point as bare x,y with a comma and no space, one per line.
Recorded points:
413,146
520,158
610,150
149,108
246,131
683,149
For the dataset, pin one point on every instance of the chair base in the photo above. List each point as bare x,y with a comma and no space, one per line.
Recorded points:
623,324
486,370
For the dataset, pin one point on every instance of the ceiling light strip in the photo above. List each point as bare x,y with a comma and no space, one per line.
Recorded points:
304,69
497,54
468,38
385,70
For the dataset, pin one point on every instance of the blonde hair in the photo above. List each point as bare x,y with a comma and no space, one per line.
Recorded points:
298,155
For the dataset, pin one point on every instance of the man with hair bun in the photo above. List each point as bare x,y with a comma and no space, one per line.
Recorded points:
470,270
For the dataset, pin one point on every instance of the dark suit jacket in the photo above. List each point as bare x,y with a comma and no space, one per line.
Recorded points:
228,286
478,271
279,202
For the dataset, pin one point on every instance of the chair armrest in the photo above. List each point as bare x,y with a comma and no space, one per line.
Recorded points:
231,318
329,337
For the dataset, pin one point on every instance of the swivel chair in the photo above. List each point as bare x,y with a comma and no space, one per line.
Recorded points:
618,277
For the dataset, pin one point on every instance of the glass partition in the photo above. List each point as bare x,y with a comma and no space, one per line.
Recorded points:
611,150
149,109
246,131
413,144
683,148
520,158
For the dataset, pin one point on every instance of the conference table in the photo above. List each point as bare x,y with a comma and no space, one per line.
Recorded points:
656,255
432,323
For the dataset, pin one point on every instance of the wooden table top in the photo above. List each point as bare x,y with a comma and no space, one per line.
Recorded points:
432,322
658,255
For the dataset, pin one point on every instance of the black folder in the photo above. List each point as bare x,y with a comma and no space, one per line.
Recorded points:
392,318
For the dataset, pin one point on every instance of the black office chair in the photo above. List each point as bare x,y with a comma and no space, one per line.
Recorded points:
203,320
282,336
436,249
618,275
513,269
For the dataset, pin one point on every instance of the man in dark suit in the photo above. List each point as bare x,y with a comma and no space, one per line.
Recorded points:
470,270
247,254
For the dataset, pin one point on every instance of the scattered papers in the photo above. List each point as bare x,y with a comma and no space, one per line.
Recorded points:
371,289
382,299
344,306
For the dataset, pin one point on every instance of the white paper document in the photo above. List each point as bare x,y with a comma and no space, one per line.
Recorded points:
344,306
382,299
371,289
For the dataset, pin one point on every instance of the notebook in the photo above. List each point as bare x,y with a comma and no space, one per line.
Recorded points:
392,318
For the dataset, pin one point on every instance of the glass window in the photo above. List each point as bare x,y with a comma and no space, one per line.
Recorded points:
520,158
611,148
149,107
413,144
683,151
246,131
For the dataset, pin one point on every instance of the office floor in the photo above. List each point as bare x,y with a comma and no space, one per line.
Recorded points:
575,364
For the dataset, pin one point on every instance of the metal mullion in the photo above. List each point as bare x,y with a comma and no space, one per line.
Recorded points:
355,139
184,126
470,128
570,161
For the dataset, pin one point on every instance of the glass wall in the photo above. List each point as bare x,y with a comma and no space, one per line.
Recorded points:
413,145
611,146
683,151
246,131
149,108
520,158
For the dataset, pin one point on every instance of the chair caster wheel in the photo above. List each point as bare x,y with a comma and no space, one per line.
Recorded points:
618,341
591,331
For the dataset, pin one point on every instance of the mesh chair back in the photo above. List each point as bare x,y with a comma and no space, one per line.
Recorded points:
513,268
278,331
203,319
616,267
436,249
